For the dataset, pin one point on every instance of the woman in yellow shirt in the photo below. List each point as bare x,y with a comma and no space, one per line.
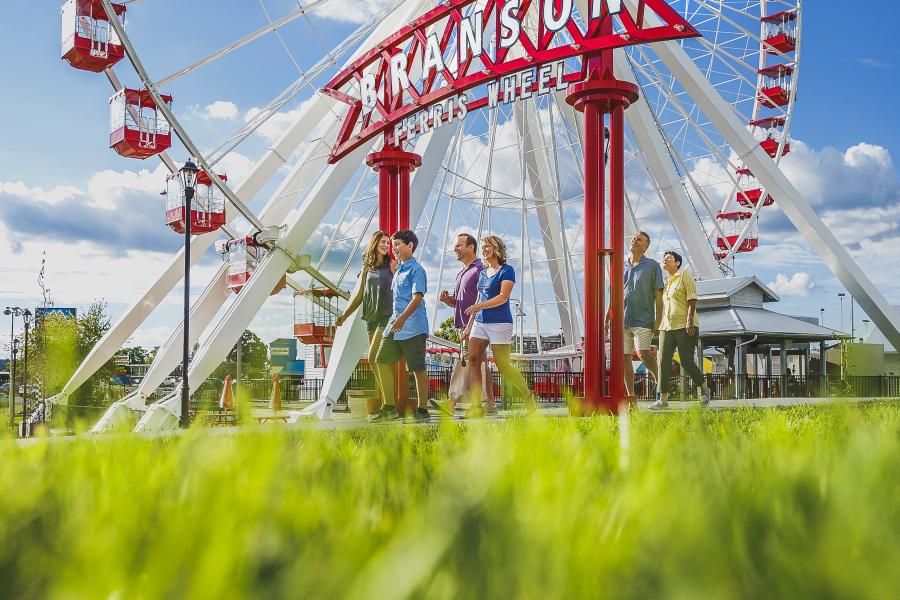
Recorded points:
679,328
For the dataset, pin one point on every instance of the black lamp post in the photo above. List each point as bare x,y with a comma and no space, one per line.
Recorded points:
12,312
841,296
189,180
28,317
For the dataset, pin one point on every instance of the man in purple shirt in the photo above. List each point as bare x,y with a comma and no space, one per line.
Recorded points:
465,291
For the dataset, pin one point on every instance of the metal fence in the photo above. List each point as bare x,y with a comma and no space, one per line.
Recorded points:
557,386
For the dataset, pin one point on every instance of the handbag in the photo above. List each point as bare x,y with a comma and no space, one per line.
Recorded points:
459,381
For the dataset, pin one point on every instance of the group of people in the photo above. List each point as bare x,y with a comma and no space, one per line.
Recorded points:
392,294
664,305
392,298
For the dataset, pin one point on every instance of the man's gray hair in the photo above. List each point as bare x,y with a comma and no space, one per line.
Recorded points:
646,236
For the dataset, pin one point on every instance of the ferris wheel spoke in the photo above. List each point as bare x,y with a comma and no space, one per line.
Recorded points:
239,43
281,41
763,43
688,120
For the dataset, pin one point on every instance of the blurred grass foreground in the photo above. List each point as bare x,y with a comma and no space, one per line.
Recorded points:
797,503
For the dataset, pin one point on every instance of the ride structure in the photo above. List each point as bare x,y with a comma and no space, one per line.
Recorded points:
516,167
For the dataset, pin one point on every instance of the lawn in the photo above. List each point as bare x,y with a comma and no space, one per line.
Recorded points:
793,503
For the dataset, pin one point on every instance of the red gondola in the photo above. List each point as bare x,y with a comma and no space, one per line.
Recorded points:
207,205
780,32
777,85
89,42
136,129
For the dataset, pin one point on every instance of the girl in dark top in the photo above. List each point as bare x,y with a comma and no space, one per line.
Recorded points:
491,322
375,295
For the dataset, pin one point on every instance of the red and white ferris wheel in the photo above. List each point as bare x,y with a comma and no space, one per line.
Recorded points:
694,178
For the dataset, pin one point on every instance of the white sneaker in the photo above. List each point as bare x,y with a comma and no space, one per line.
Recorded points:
659,405
704,398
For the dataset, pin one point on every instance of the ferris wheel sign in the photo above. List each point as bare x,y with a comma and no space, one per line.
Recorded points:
446,64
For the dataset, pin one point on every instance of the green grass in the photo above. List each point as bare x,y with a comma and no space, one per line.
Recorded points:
799,503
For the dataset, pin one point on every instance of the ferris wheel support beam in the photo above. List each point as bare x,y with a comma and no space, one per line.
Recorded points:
791,202
350,341
538,168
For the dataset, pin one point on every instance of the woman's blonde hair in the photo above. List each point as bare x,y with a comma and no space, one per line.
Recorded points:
372,258
498,246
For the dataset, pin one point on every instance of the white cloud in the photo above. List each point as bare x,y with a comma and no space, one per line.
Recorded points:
874,63
798,284
277,124
220,110
352,11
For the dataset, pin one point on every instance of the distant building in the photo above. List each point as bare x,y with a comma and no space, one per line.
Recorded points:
283,356
734,320
891,355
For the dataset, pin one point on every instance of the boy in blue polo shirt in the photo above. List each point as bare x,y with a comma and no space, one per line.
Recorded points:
406,331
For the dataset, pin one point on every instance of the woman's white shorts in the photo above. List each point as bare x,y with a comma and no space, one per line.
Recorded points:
495,333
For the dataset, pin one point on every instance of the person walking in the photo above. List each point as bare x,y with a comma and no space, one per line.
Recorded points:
644,285
375,297
464,295
491,323
679,329
406,331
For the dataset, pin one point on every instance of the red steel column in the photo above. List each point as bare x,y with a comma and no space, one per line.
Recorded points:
617,392
594,227
384,200
394,166
601,93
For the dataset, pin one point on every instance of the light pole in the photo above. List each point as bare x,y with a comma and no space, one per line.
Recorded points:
520,314
188,179
852,319
841,296
13,312
28,317
822,317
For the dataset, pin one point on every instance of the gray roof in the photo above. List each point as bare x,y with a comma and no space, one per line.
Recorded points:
742,321
729,286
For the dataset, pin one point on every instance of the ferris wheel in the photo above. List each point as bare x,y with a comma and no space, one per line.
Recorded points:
694,178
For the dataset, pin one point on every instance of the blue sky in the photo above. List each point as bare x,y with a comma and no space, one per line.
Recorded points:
54,132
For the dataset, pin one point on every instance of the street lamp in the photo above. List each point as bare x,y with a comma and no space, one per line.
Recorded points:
822,317
27,317
12,312
841,296
866,323
188,174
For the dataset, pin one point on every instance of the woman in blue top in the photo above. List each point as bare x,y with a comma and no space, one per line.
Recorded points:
491,322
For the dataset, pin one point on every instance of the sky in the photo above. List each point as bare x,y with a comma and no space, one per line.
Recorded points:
98,217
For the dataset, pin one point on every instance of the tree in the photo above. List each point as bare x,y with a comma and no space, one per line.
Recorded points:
137,355
59,344
448,330
254,358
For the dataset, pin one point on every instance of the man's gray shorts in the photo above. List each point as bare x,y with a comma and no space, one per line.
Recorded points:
412,349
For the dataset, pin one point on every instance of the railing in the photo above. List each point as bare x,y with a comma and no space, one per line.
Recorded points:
556,386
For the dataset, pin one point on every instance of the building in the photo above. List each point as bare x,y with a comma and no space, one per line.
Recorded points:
746,338
283,357
891,355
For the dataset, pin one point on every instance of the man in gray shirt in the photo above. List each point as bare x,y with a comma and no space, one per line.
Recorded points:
644,284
